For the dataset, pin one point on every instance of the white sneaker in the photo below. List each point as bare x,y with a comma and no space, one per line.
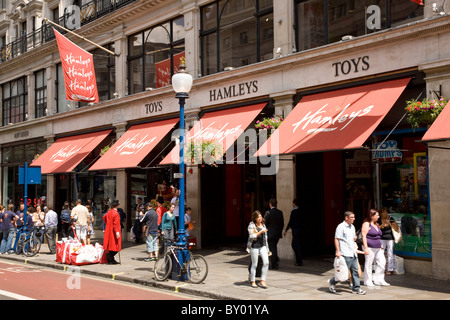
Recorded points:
361,292
369,284
332,288
383,283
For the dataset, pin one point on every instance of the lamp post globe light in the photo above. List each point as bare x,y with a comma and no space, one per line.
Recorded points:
182,84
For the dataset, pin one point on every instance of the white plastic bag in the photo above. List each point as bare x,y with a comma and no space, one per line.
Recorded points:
340,269
399,265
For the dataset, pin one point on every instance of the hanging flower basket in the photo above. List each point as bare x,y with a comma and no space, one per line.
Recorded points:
203,152
104,150
424,112
269,125
36,156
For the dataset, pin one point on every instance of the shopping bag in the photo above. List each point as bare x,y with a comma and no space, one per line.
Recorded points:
399,265
60,246
71,246
87,254
340,269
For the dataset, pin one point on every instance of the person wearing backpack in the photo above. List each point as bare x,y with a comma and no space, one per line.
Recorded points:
65,220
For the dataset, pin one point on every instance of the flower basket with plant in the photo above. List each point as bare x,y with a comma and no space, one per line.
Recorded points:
104,150
203,152
424,112
270,123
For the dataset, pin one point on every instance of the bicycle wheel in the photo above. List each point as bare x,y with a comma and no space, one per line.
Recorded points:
31,246
163,267
197,268
19,247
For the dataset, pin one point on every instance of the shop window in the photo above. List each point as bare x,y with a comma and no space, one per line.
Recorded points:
154,55
235,33
40,93
320,22
14,101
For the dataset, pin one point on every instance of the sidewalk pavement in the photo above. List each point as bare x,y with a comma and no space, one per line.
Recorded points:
228,277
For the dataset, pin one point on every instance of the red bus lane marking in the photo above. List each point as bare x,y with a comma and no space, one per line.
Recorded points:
44,284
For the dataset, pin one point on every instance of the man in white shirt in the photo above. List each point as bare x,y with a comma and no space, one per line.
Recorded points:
344,241
82,214
51,226
175,200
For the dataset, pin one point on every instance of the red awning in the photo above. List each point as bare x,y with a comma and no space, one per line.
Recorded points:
334,120
223,126
440,129
134,145
66,153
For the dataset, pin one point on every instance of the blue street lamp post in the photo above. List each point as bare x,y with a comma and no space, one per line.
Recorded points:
182,83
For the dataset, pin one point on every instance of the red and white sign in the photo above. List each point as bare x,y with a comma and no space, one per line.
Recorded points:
78,69
334,120
66,153
223,126
163,74
134,145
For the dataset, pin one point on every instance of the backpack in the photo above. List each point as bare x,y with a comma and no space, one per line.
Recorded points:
65,216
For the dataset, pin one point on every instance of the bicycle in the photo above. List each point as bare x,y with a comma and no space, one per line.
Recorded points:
27,242
195,266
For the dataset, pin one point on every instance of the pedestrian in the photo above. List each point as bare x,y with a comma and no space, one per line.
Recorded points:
112,243
38,223
2,231
274,223
344,240
371,236
258,247
387,238
150,231
51,227
295,223
8,217
90,230
169,223
176,200
82,215
65,219
137,226
188,222
160,209
20,213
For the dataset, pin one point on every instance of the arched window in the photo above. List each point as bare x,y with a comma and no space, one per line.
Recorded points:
236,33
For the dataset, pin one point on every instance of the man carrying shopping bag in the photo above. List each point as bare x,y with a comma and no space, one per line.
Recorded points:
344,240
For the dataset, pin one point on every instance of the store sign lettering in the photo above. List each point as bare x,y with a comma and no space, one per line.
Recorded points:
133,145
213,134
65,153
234,90
387,152
353,65
318,119
153,107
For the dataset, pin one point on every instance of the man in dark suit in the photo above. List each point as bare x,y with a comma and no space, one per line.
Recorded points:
274,223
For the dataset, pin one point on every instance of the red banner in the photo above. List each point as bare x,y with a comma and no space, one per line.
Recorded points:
163,76
78,69
418,2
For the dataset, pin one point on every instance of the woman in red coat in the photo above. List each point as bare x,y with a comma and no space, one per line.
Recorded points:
111,239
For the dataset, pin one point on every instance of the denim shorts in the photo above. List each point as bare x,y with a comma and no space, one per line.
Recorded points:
152,243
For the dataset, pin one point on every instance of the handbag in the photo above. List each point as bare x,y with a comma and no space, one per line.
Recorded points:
340,269
359,237
397,235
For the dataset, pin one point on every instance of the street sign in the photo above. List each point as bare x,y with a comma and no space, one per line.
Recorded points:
178,175
33,175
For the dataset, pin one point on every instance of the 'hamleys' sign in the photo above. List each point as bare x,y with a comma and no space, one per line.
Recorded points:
216,134
65,153
326,119
133,145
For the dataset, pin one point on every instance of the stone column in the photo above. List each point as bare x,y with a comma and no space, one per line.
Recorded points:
51,182
122,196
283,16
286,177
191,27
120,47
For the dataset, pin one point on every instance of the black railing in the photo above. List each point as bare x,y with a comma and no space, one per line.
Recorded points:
88,12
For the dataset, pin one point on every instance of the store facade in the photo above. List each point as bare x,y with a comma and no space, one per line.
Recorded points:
389,168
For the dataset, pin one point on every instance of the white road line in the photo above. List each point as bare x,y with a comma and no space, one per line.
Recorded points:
14,295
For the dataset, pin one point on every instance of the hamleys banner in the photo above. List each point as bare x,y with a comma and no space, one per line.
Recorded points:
134,145
66,153
334,120
78,69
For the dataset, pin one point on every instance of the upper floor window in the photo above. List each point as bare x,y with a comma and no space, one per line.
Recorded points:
235,33
14,101
40,90
105,72
154,55
320,22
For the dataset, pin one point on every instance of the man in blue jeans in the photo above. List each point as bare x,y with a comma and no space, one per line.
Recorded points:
8,218
344,241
